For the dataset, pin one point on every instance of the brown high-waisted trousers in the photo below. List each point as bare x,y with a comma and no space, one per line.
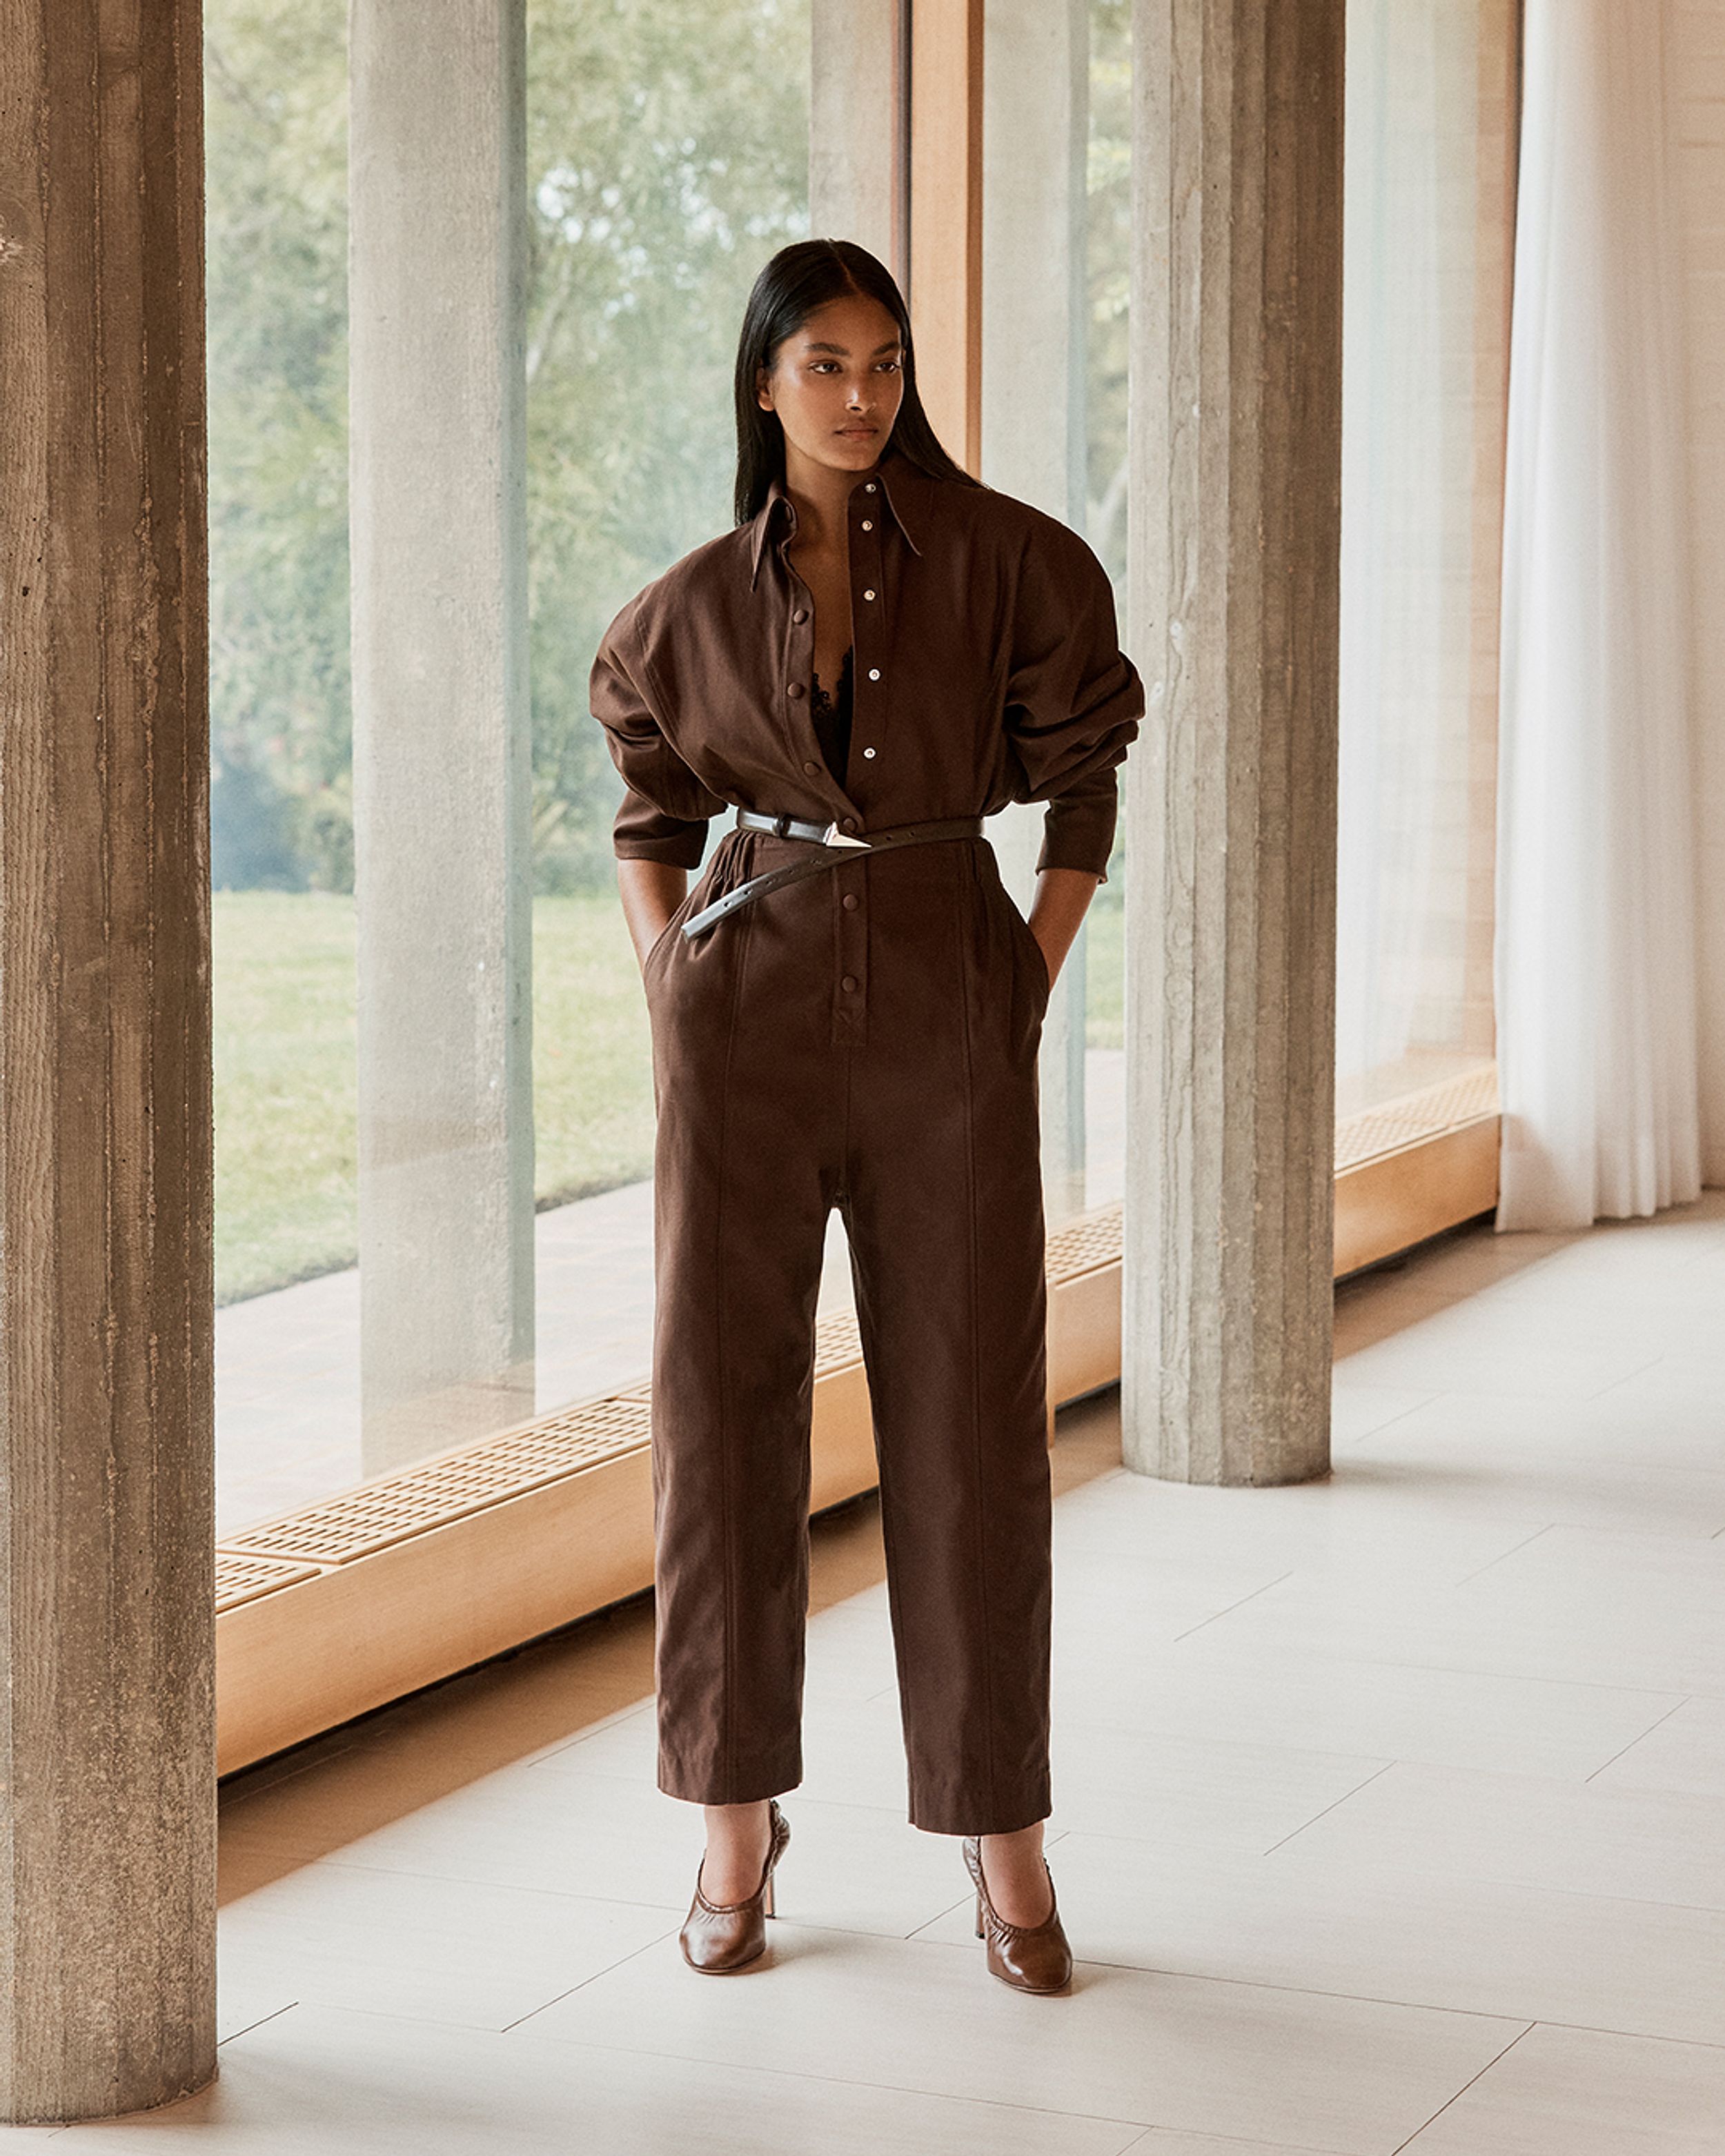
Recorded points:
865,1038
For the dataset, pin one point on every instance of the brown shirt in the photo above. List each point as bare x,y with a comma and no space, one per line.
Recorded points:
986,669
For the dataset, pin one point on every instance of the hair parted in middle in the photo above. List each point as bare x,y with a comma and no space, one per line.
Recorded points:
799,280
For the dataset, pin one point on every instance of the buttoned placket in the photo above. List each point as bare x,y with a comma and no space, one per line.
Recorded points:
849,881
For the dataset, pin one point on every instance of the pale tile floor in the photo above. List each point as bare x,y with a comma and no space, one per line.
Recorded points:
1391,1811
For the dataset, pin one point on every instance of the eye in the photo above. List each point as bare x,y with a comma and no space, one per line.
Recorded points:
891,365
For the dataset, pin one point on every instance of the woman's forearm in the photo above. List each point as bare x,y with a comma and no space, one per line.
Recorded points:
651,893
1063,897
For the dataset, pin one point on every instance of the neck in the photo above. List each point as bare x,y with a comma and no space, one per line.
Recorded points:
821,493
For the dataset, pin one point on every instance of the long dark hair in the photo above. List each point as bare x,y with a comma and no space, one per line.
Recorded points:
798,281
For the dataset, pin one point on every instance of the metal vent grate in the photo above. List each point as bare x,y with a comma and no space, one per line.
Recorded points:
1426,1114
241,1579
1084,1243
417,1499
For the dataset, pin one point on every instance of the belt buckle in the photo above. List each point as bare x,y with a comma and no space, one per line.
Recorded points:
833,836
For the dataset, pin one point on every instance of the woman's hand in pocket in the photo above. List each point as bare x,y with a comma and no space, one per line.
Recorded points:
1063,897
651,892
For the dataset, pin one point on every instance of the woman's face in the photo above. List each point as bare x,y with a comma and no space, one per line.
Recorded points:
836,384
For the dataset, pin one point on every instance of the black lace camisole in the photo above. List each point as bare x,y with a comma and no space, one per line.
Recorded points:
830,711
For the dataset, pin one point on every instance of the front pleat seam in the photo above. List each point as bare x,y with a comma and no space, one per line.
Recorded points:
967,913
728,1524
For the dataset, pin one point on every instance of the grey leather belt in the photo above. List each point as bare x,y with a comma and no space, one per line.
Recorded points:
836,847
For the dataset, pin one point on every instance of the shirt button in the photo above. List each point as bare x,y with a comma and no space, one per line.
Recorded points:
847,823
867,526
850,901
848,984
868,595
868,752
874,675
811,768
870,488
801,614
794,691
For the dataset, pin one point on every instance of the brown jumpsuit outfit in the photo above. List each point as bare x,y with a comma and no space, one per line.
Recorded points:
865,1038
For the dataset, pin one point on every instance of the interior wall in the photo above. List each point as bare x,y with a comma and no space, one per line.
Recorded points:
1695,95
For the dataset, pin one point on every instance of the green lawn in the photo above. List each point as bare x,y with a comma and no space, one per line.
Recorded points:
285,1173
286,1176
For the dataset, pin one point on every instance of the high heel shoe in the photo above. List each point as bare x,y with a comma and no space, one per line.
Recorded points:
1028,1957
719,1938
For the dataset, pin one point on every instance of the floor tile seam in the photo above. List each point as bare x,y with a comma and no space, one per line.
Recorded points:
1509,1677
1628,1378
275,2014
1564,1893
1407,2005
1229,2142
1425,2006
1629,2035
468,1879
613,1901
1526,1542
1381,1868
622,1961
1346,1798
1390,1421
1688,1700
1216,1615
1463,2090
1088,1732
834,2081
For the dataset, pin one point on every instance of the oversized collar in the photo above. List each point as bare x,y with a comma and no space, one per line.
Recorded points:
900,483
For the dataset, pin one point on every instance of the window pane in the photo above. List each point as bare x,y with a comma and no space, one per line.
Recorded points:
1426,341
667,147
1108,272
1056,211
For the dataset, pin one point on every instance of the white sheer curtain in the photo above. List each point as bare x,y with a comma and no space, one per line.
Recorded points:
1412,867
1596,930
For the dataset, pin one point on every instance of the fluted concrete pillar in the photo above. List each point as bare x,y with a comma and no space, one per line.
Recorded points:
107,1751
1035,123
1231,797
441,773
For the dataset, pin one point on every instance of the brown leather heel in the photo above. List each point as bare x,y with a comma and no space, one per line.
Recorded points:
1028,1957
719,1938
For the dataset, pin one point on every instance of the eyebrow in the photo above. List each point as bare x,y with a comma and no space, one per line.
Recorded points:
843,351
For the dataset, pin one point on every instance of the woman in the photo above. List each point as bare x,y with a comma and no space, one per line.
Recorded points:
880,653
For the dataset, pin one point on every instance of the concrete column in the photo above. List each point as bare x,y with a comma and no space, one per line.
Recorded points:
107,1752
1231,795
859,118
440,721
1035,142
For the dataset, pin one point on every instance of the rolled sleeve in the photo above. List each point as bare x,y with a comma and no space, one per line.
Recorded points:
1074,699
666,809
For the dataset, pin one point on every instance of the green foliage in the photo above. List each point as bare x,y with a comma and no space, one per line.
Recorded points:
668,150
667,159
276,101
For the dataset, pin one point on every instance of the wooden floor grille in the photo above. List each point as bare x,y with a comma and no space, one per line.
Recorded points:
1413,1117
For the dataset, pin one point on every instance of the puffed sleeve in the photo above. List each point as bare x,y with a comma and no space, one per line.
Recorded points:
1073,698
666,809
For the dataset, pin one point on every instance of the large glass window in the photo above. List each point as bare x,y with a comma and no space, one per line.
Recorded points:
667,158
1428,145
1056,254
